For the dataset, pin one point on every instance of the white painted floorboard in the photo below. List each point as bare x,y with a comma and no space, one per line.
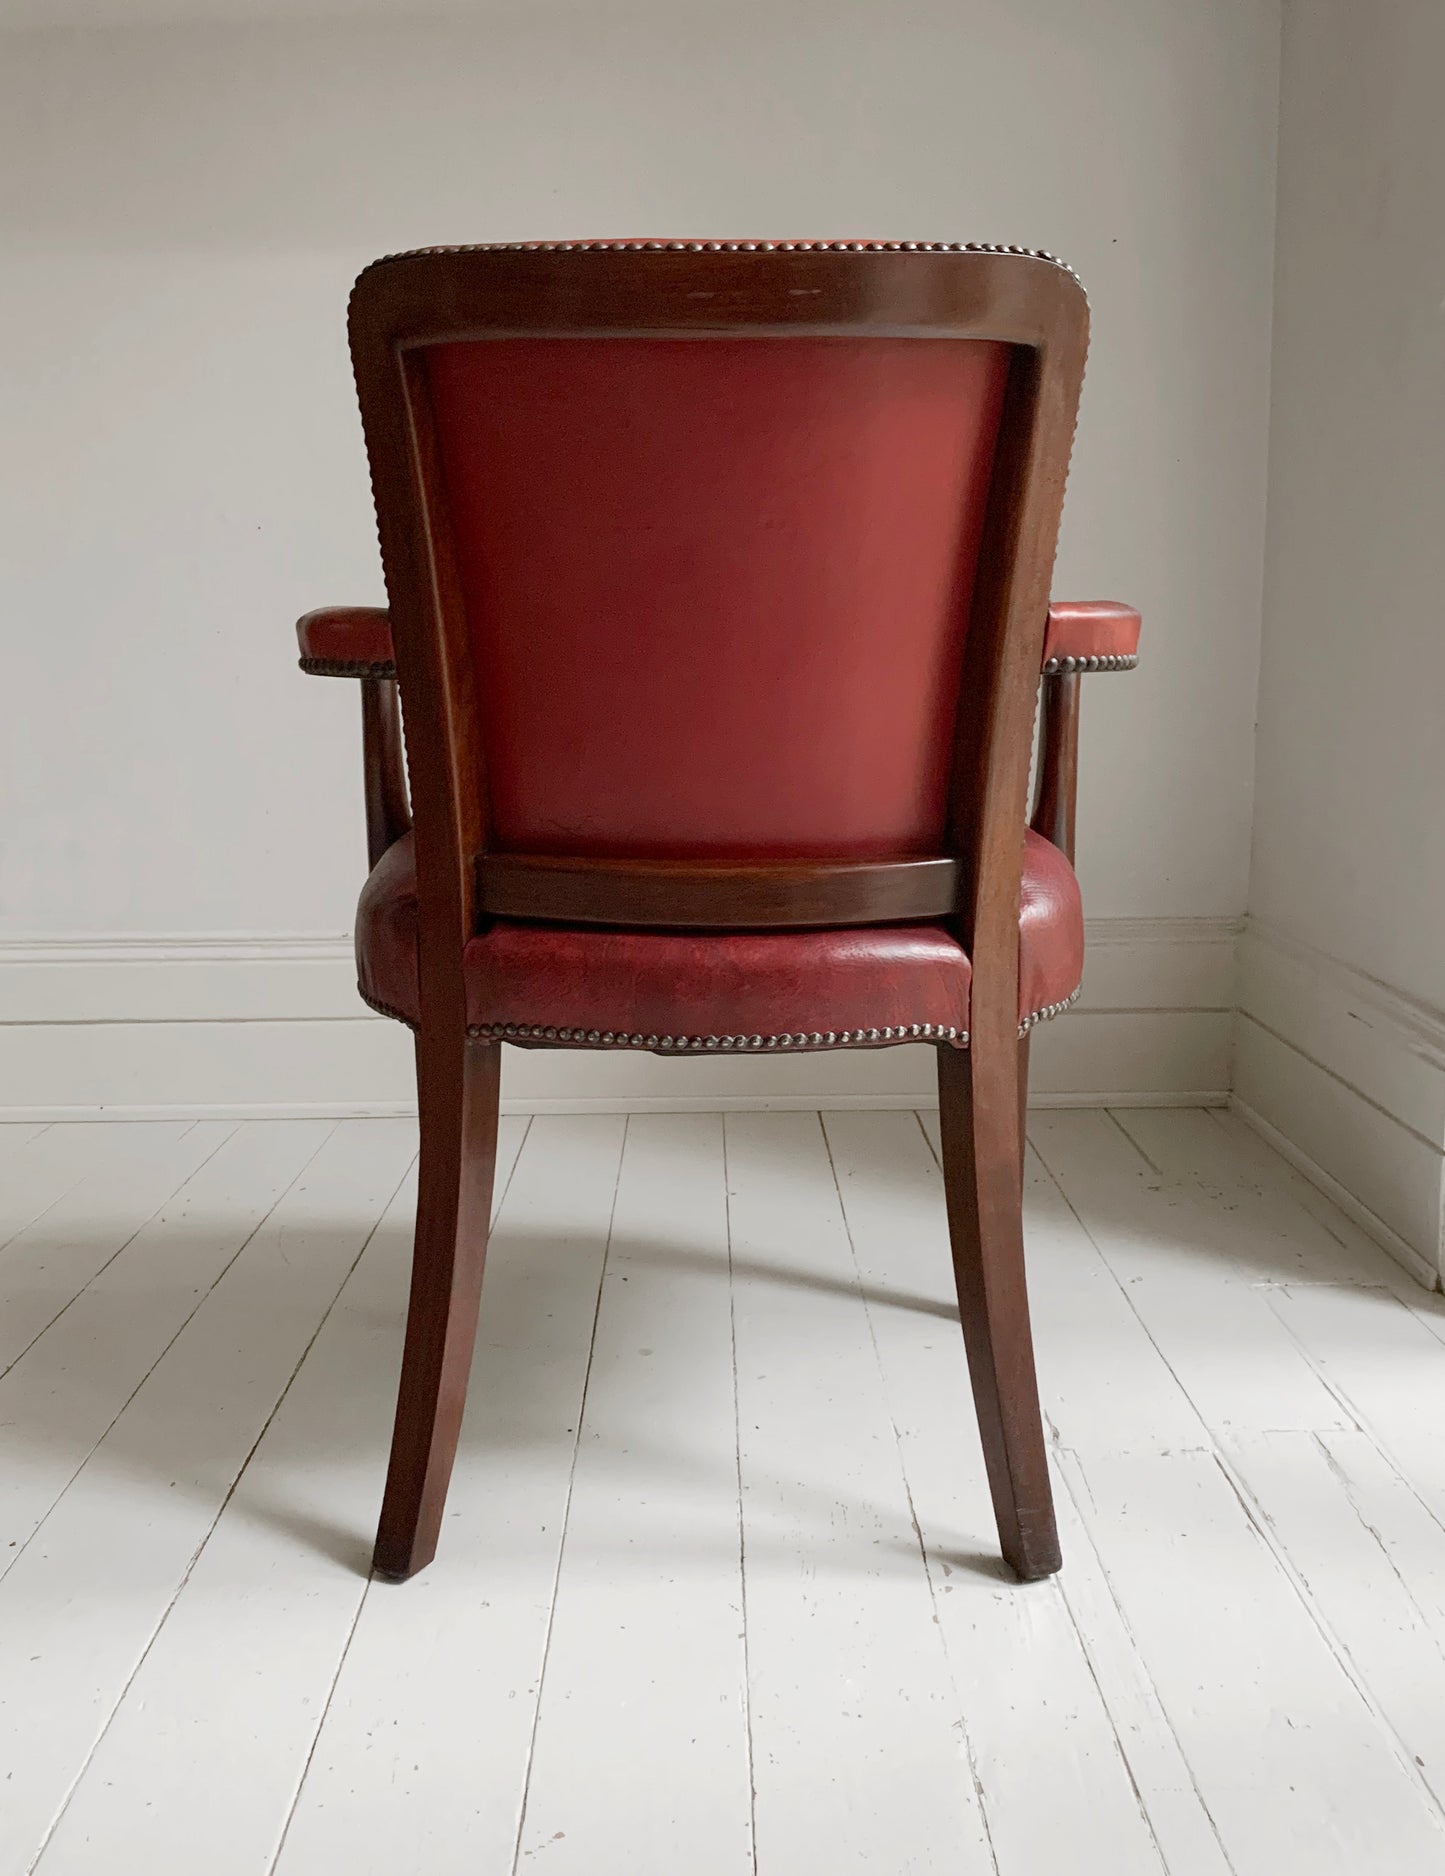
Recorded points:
860,1753
267,1606
46,1266
717,1590
1040,1741
422,1757
645,1716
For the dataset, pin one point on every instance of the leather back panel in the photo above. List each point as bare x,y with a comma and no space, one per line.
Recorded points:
717,589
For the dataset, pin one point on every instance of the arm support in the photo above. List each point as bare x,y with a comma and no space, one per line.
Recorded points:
1082,635
355,641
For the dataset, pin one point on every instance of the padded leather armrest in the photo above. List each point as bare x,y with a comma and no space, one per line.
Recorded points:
355,641
1082,635
1090,635
346,641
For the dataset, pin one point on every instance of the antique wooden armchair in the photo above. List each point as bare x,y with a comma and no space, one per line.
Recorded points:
718,580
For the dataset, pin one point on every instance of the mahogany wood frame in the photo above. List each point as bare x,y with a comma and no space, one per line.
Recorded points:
406,303
388,811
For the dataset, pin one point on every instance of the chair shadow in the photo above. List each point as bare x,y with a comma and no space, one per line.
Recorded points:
663,1252
49,1432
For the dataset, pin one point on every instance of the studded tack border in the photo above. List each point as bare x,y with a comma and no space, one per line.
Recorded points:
1049,1009
735,247
1054,667
345,667
1111,661
726,1045
735,1045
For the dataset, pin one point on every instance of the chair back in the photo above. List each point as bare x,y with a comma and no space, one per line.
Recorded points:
718,571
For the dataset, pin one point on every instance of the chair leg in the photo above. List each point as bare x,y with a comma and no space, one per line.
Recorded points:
457,1090
979,1117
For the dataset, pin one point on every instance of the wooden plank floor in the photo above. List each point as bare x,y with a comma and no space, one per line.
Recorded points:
717,1591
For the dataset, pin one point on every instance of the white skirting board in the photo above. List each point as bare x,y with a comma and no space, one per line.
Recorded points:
1346,1077
271,1027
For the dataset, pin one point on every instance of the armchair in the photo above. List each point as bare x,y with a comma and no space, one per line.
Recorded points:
718,580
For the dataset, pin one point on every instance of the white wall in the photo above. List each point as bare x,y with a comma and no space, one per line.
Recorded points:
182,209
1343,1044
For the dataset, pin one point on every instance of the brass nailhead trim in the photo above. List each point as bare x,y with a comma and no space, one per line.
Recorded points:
345,667
690,1045
1112,661
733,247
1053,667
818,1039
385,1009
1049,1009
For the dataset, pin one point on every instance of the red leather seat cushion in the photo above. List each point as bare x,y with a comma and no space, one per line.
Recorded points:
636,988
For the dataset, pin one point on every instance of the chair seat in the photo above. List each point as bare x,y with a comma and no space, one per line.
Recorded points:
596,987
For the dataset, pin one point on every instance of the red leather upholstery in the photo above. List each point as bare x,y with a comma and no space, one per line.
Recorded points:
641,989
1051,931
1094,633
386,928
735,985
717,588
347,641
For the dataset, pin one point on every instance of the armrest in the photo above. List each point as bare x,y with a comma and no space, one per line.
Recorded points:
355,641
346,641
1090,635
1082,635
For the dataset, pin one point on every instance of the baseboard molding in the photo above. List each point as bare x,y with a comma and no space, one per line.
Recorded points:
1333,1068
925,1099
1370,1222
1340,1071
255,1026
